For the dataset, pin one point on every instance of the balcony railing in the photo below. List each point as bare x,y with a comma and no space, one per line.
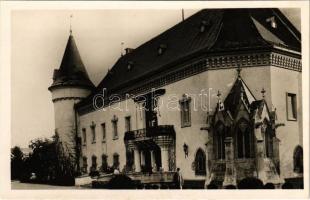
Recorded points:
161,130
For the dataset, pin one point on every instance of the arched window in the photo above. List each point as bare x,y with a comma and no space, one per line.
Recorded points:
243,138
200,162
220,141
104,163
298,160
115,160
268,141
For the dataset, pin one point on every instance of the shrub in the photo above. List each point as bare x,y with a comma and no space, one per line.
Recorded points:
121,182
269,186
287,185
164,186
230,187
250,183
94,173
155,187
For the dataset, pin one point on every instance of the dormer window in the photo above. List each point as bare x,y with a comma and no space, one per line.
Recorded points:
161,49
203,26
129,65
272,21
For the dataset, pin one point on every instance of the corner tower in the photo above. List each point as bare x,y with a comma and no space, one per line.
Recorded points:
70,85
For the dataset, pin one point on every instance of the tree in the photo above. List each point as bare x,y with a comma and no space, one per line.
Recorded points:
16,163
51,162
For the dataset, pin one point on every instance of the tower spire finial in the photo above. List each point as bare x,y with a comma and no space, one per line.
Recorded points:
71,24
263,93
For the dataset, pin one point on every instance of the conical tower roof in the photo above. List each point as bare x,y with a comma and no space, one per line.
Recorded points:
72,71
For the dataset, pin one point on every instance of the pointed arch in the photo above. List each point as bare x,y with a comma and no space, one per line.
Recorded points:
200,162
244,138
268,138
298,159
219,140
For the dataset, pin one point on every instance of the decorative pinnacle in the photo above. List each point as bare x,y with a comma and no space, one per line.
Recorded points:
239,71
71,24
263,93
122,48
218,94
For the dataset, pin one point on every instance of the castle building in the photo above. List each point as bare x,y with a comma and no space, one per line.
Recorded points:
218,95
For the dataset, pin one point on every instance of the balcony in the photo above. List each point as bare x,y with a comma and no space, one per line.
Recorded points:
161,130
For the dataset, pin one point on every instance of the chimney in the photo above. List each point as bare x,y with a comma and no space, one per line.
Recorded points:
128,50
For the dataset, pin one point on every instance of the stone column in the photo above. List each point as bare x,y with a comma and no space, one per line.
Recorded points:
164,150
137,160
153,161
142,157
230,173
164,142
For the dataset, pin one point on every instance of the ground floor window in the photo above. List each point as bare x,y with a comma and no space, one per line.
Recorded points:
93,163
104,163
115,160
298,160
84,169
200,162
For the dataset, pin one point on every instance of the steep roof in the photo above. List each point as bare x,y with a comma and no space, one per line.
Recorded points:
207,31
239,92
72,71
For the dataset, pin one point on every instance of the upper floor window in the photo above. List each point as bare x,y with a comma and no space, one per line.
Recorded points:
93,132
291,102
127,124
103,128
185,111
114,126
84,136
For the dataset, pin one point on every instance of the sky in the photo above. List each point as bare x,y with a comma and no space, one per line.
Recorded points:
39,39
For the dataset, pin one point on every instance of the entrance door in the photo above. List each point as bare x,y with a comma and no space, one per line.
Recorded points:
157,159
148,164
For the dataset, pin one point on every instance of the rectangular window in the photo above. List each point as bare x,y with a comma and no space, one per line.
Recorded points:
185,112
291,102
114,126
103,131
127,123
84,136
93,131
